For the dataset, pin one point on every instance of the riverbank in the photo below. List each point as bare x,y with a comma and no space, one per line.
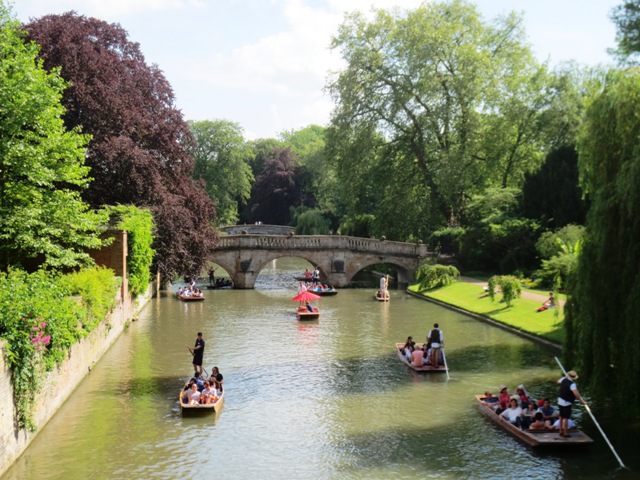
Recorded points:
468,296
62,382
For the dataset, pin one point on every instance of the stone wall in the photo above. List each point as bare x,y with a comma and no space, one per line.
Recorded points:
61,382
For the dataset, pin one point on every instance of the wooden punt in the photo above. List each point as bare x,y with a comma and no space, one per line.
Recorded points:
425,368
185,408
324,293
379,296
539,437
190,298
303,314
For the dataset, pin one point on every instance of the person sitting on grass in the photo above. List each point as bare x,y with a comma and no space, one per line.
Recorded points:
549,303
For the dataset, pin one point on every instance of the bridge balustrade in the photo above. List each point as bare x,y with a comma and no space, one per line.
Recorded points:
320,242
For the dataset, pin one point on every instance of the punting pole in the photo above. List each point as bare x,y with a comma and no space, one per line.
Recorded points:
446,369
595,421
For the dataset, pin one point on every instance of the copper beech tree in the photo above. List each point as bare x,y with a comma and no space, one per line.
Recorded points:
138,153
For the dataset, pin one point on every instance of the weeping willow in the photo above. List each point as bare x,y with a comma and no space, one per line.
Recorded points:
603,322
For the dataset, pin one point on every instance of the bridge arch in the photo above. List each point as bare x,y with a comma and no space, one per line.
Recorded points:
339,257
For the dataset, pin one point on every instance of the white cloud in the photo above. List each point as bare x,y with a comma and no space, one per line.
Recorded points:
111,10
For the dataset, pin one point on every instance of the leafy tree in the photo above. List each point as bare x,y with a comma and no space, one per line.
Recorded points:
276,189
627,19
138,154
552,195
311,222
446,103
556,242
221,158
43,220
497,238
603,326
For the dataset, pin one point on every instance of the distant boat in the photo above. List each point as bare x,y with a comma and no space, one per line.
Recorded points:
382,296
539,437
323,292
190,298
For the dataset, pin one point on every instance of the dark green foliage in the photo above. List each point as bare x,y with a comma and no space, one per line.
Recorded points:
434,276
447,240
41,319
138,223
603,325
357,226
552,194
497,238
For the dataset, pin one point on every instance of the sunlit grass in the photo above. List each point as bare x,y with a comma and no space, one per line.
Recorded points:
521,315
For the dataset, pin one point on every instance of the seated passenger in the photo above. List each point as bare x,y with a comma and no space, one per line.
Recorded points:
216,377
309,307
504,396
526,417
193,395
538,422
489,400
209,394
512,413
556,425
417,358
547,411
524,396
408,353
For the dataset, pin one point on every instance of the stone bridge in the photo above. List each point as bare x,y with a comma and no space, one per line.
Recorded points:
339,257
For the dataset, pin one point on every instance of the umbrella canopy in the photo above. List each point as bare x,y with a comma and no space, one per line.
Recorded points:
305,297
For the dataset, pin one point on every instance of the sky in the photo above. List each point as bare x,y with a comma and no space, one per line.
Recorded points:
264,63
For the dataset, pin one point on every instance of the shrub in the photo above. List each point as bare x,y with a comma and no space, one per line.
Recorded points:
509,286
433,276
312,222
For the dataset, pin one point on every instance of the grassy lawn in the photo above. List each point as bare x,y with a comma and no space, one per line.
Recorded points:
521,315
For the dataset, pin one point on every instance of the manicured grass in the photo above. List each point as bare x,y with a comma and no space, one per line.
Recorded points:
521,315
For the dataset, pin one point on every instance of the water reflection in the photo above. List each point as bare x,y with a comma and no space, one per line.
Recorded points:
325,399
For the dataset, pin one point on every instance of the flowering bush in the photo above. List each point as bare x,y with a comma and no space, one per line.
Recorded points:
40,320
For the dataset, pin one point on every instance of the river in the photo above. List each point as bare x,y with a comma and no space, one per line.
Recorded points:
326,399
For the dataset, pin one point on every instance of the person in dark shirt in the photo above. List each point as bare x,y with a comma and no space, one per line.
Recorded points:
198,354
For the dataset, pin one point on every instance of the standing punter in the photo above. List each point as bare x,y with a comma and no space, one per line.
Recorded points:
436,339
198,354
568,394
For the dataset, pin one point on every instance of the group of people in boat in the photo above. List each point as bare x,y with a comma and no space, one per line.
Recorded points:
190,291
526,413
314,287
430,353
312,277
203,391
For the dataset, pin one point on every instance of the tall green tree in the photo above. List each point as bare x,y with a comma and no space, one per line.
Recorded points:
603,325
452,101
221,158
626,16
43,220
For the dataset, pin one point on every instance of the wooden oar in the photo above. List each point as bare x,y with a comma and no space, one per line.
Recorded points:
444,357
595,421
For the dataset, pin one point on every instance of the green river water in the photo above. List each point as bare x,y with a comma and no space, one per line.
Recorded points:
326,399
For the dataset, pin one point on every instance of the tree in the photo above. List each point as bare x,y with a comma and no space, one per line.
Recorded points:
276,189
603,326
627,20
552,195
138,154
43,220
439,87
221,158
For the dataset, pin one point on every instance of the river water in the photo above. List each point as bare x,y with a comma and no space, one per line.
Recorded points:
326,399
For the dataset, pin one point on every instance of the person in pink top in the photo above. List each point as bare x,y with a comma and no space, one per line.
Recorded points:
417,357
504,395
